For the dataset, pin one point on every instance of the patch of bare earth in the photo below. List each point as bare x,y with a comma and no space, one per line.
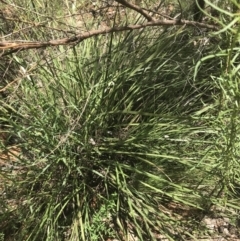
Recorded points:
9,170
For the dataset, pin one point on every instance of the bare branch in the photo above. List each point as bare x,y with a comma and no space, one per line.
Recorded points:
14,46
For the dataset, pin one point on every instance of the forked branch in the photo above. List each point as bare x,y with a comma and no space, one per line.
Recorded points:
9,47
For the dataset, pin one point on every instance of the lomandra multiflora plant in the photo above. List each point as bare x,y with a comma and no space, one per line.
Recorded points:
130,135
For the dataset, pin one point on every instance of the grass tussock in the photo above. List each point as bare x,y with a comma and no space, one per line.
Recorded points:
121,135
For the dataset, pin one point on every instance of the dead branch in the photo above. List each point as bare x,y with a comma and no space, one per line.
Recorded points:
20,45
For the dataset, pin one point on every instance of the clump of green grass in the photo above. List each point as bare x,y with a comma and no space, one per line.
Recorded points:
121,130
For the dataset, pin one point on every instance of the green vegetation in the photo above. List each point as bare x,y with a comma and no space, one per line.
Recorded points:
118,131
